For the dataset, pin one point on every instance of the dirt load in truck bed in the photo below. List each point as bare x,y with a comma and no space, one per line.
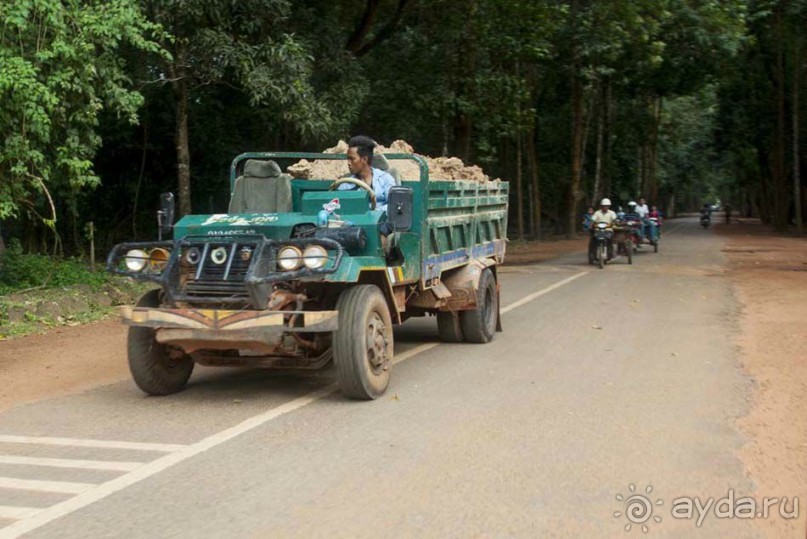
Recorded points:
440,168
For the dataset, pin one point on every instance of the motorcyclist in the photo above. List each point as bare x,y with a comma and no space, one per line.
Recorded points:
587,218
655,214
603,215
642,208
633,215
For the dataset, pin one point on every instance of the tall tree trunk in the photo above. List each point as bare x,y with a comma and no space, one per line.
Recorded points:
651,187
780,191
609,115
595,192
588,114
573,194
463,124
532,162
640,167
183,147
795,113
140,175
519,188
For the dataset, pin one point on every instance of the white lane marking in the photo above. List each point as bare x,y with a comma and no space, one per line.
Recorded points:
547,290
71,463
154,467
15,513
78,442
414,351
64,487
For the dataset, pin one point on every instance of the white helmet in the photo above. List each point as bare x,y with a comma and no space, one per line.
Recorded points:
631,203
605,202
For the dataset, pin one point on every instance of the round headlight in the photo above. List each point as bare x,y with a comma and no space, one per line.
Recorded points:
158,259
136,260
315,257
289,258
219,255
602,225
193,256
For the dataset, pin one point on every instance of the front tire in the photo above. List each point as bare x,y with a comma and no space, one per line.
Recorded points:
629,249
157,369
363,344
479,325
601,255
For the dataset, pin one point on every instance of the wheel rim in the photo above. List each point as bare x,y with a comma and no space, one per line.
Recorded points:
377,343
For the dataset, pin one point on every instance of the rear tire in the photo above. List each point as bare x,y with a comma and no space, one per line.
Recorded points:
479,325
363,344
157,369
449,327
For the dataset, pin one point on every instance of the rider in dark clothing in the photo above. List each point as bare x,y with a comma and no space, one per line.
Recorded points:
633,215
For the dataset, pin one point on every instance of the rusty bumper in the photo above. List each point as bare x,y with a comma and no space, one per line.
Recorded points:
220,320
196,329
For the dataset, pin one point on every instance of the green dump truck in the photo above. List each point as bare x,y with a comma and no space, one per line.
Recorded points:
298,274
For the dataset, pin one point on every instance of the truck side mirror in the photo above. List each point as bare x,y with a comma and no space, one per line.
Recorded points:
400,208
165,217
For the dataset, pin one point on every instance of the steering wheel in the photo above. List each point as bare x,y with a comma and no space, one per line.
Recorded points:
357,183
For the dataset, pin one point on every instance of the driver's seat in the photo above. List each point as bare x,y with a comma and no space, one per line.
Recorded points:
262,189
382,163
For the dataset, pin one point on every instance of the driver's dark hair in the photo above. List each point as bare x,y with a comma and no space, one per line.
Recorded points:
364,146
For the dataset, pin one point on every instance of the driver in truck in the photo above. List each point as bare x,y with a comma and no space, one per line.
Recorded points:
359,157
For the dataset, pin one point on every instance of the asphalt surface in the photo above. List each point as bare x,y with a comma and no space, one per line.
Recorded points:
602,379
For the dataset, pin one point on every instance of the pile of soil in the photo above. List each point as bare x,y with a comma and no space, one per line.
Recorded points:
440,168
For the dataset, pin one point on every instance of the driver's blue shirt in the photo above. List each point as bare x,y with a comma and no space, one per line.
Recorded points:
382,181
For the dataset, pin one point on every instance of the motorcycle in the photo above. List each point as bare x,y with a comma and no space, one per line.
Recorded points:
653,232
706,220
600,247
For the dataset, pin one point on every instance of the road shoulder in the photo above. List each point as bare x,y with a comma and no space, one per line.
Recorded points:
769,275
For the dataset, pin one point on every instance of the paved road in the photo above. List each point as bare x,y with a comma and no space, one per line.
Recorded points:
602,379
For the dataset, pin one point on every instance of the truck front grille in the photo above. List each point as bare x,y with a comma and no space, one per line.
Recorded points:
209,279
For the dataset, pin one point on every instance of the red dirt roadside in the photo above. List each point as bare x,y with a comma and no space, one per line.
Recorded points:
61,361
769,274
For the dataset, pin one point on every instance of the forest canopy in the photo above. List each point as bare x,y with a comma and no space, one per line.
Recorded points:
105,104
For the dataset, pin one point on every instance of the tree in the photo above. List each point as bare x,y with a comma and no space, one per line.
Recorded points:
61,65
242,46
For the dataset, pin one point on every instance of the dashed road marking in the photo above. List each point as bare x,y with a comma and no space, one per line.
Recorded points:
15,513
63,487
117,466
81,442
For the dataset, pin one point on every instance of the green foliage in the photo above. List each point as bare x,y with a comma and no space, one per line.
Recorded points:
60,66
470,78
19,271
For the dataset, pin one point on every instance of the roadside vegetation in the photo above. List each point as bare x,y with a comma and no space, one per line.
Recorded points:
38,291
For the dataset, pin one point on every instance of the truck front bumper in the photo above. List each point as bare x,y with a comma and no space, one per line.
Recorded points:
211,329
